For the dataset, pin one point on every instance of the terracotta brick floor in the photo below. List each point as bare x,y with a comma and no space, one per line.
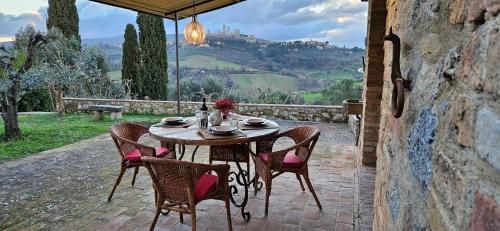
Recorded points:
66,189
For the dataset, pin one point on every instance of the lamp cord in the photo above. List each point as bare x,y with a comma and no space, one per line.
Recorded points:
194,10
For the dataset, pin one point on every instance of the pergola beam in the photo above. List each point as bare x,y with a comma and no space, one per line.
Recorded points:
182,12
187,7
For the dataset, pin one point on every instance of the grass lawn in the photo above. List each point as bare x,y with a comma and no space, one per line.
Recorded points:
250,82
44,132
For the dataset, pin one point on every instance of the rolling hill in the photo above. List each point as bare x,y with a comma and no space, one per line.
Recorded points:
304,68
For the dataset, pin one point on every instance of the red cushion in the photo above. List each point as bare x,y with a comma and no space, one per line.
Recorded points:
291,160
205,185
135,155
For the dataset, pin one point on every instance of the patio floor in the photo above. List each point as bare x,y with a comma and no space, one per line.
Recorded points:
66,189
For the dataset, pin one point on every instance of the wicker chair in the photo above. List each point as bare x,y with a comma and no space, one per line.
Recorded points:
269,165
180,185
125,137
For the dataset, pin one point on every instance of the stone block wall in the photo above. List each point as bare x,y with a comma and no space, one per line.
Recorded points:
332,114
438,165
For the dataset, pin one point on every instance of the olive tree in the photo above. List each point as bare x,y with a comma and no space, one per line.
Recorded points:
65,70
14,63
58,67
49,61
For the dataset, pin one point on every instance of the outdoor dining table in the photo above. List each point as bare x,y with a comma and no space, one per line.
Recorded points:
191,136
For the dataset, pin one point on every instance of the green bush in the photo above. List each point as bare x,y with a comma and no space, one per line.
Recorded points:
340,91
36,100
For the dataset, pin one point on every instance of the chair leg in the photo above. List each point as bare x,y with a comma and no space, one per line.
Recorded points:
155,219
181,216
309,185
228,212
136,171
300,181
193,219
256,183
268,194
118,180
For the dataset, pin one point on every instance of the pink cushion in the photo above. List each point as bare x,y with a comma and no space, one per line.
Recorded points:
291,160
204,186
135,155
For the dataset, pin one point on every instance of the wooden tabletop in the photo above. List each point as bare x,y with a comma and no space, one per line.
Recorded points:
190,135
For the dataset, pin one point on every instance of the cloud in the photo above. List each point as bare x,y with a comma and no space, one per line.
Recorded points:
342,22
99,20
295,19
10,24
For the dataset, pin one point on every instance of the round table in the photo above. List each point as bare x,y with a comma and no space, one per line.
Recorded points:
190,136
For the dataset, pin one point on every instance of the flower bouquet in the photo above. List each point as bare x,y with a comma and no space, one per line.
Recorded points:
225,106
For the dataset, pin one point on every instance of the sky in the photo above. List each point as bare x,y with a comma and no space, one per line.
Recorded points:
341,22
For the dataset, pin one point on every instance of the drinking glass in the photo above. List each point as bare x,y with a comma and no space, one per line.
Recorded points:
233,120
198,118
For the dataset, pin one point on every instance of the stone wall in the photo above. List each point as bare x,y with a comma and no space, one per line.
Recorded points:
438,165
287,112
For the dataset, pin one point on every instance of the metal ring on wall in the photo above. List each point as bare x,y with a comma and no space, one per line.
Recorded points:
400,84
398,98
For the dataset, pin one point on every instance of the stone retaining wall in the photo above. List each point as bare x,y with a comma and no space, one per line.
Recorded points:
332,114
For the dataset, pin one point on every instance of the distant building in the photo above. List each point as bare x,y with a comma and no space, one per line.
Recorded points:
228,33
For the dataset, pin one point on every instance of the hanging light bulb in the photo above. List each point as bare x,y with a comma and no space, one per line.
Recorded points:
194,33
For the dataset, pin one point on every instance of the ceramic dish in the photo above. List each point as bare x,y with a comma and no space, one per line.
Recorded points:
173,120
255,122
222,130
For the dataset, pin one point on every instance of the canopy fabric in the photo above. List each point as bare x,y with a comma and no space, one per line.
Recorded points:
168,8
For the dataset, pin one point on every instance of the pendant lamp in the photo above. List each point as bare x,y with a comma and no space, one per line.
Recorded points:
194,33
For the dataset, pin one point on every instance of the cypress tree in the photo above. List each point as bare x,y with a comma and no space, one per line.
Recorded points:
63,15
131,60
153,42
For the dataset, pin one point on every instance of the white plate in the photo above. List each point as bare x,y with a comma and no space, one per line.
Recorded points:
173,120
255,121
255,124
222,129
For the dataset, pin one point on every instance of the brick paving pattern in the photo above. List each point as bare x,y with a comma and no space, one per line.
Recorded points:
66,189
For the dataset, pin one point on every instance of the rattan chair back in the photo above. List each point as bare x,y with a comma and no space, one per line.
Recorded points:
126,135
174,180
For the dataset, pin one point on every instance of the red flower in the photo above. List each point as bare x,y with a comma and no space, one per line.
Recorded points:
225,105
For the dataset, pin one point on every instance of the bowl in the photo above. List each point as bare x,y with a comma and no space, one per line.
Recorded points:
172,120
255,121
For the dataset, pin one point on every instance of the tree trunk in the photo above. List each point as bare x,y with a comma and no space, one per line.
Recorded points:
52,99
58,95
11,123
9,106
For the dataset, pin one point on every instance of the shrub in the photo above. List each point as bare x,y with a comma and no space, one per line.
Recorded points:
36,100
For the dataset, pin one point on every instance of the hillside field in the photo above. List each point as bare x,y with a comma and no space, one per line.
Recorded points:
312,97
210,63
250,82
115,75
332,75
